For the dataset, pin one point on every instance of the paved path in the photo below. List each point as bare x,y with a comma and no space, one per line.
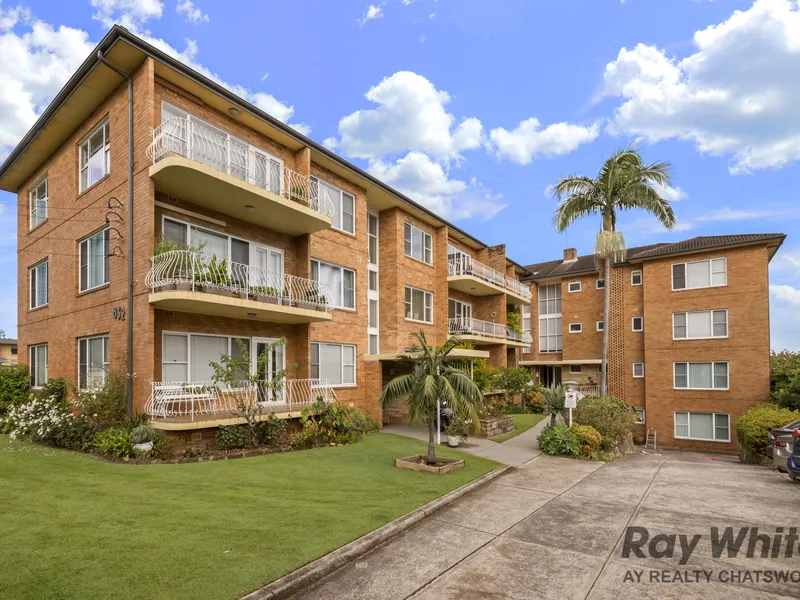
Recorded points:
516,451
553,529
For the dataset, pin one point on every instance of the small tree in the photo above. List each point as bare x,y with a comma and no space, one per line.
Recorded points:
233,374
514,382
555,400
434,381
785,379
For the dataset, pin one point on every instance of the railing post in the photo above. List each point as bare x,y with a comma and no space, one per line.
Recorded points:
191,259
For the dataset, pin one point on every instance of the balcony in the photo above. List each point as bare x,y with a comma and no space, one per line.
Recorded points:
207,167
181,405
484,332
186,281
471,277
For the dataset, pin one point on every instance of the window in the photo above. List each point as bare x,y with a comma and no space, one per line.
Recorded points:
186,357
419,305
700,325
373,313
600,284
638,370
700,274
575,369
373,281
342,283
550,337
637,323
372,238
95,158
334,362
639,416
417,244
94,251
344,206
575,327
526,324
574,286
636,278
714,427
38,365
38,278
37,203
600,325
701,375
92,361
13,350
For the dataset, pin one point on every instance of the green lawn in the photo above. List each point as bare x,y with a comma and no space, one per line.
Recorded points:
75,527
521,424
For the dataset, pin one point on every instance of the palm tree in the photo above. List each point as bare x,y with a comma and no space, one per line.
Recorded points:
555,400
434,380
624,182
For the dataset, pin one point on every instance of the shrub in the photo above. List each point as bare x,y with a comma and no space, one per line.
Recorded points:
457,427
559,439
513,381
76,433
329,425
37,419
611,417
14,384
106,405
589,437
114,442
534,402
164,448
507,408
754,425
229,437
141,434
271,431
785,379
606,443
57,387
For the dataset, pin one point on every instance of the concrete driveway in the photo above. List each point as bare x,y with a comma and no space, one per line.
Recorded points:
554,528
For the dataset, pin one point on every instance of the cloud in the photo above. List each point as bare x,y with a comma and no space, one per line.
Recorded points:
128,13
733,97
191,13
373,12
647,230
428,183
411,115
673,194
528,141
784,306
729,214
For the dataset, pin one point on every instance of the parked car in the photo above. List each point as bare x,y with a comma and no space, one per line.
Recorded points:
793,462
781,444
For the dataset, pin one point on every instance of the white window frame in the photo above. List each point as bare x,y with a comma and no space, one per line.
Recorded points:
316,179
599,325
340,303
689,426
106,356
635,273
373,295
36,348
633,324
408,244
105,232
711,318
104,125
599,284
640,416
547,316
527,329
711,272
578,330
341,366
426,295
713,388
571,283
638,364
33,277
231,339
36,218
575,369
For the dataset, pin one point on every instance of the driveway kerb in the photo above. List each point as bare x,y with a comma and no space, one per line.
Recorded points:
309,574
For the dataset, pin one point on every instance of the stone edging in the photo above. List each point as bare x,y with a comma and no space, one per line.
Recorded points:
293,582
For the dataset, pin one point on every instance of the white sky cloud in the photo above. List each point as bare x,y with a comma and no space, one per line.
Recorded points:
731,214
673,194
128,13
190,12
784,305
373,12
528,140
733,97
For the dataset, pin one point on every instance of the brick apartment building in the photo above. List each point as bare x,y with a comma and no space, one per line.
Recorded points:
688,332
261,234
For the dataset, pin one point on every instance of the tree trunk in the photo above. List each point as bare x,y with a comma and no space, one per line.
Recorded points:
431,444
606,325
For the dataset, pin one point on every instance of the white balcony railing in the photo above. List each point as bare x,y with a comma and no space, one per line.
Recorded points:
199,398
470,326
215,148
466,265
588,390
194,271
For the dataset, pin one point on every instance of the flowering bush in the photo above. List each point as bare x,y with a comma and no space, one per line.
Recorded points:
39,419
106,405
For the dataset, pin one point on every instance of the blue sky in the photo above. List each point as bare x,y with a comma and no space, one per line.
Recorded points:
474,108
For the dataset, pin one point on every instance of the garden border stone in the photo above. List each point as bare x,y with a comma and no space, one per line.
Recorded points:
293,582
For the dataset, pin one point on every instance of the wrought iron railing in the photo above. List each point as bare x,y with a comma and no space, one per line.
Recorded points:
198,398
195,271
216,148
464,264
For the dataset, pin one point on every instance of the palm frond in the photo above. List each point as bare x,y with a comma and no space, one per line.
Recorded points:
576,206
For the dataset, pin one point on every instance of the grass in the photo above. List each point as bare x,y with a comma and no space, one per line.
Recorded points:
521,424
76,527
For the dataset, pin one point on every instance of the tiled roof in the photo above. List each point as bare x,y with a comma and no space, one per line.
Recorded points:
8,341
585,264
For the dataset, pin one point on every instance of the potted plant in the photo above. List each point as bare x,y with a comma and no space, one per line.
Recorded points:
161,246
456,430
217,280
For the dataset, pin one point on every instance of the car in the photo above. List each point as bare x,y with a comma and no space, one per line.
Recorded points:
781,444
793,462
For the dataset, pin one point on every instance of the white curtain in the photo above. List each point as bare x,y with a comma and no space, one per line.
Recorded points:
206,348
211,243
700,324
330,366
97,259
702,425
333,277
175,358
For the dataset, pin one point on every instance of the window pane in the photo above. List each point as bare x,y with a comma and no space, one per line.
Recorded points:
700,324
97,259
719,275
240,252
428,252
721,427
373,281
407,239
175,232
204,350
175,348
700,375
349,292
721,375
315,361
417,305
331,363
698,274
211,244
416,244
348,213
681,375
679,325
701,426
373,313
720,323
373,343
678,277
372,249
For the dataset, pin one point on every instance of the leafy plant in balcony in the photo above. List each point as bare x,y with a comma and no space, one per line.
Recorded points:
162,245
514,320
